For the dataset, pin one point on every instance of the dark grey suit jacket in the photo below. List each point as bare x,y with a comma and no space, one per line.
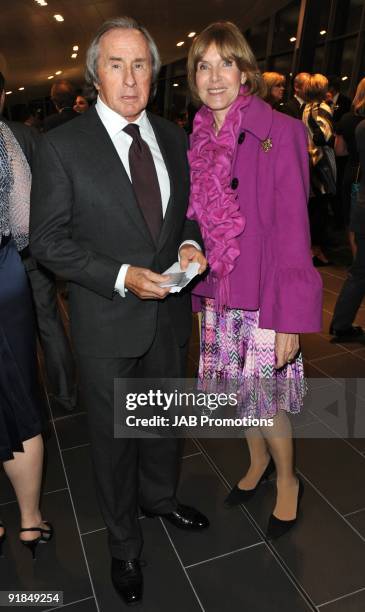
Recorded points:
85,222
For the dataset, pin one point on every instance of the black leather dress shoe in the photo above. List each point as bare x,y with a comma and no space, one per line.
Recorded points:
127,580
351,334
184,517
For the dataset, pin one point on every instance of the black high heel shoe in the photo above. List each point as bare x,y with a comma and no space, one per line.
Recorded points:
2,539
277,527
46,535
239,496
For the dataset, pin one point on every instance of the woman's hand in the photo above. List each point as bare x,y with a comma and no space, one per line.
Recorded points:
286,348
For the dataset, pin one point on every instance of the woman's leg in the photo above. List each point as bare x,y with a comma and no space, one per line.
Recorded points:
280,443
259,456
25,474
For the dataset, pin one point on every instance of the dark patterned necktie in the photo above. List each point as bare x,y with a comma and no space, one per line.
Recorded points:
145,181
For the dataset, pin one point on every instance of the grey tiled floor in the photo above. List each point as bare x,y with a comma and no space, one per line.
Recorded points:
318,566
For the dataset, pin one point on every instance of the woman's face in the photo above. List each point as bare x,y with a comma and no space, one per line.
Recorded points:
277,92
218,81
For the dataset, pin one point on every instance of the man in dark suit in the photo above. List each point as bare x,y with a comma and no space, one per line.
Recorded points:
295,105
109,201
339,103
63,97
58,358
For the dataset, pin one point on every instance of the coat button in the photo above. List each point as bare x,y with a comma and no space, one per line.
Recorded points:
241,137
234,183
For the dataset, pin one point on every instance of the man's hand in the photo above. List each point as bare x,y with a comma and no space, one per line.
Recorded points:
286,348
189,253
144,283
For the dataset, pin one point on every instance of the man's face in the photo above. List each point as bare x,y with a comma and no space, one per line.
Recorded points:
124,72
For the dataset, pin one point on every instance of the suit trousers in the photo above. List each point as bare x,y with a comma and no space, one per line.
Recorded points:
58,358
131,472
353,290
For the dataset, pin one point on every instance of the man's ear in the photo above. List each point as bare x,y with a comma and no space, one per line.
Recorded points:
97,87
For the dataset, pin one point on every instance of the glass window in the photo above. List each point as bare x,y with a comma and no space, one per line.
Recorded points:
342,56
286,24
281,63
348,16
257,37
318,60
324,8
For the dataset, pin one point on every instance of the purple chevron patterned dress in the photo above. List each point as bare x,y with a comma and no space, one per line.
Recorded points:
234,348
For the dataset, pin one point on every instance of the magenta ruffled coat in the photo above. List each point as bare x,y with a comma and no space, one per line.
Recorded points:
274,271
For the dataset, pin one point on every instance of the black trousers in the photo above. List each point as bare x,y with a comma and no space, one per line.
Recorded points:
131,472
58,358
353,290
318,219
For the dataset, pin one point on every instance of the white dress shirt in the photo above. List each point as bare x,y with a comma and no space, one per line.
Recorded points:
114,125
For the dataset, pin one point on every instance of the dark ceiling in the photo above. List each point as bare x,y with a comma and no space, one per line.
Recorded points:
33,45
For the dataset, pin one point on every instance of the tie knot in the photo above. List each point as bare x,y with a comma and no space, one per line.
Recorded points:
132,129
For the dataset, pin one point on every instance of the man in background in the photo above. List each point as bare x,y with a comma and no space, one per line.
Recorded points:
63,97
295,105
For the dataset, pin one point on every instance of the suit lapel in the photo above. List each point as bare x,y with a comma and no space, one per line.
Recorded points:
110,165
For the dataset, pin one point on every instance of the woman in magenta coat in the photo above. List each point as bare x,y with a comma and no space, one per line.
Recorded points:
249,192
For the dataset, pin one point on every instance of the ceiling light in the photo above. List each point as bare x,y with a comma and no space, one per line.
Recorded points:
51,77
191,34
42,2
176,84
58,17
8,93
323,32
58,72
180,44
74,55
344,78
21,89
75,48
292,39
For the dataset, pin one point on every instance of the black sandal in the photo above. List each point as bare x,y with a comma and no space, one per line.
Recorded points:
46,535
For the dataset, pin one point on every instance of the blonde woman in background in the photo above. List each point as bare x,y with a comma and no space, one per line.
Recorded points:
317,117
275,84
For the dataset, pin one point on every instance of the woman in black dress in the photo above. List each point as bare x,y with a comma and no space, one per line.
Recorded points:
21,445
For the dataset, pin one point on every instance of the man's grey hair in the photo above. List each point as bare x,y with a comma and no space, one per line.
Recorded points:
123,23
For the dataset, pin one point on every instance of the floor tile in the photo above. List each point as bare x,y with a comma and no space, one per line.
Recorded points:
352,603
358,521
346,365
81,479
60,564
328,463
249,580
229,528
166,586
72,431
311,550
87,605
314,347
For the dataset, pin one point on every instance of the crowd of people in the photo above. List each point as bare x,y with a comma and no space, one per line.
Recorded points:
113,196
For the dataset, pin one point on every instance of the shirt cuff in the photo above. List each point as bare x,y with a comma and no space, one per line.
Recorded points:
192,242
119,283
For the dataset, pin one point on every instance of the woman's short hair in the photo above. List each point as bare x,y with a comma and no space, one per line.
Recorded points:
122,23
358,103
315,88
231,45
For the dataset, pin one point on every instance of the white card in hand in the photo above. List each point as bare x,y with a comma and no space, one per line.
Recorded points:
185,276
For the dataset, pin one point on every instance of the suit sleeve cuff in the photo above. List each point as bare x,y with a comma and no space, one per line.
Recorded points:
192,242
119,283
